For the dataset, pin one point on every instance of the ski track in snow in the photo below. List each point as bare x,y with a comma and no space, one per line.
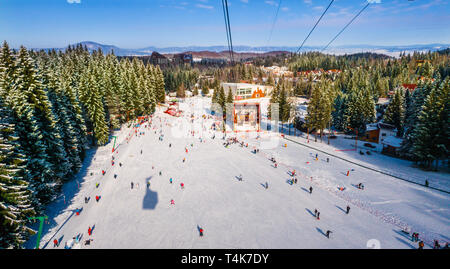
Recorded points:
238,214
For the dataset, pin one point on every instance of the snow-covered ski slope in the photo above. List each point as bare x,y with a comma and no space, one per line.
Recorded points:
233,213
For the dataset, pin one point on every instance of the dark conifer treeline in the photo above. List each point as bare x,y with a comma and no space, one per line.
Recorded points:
53,106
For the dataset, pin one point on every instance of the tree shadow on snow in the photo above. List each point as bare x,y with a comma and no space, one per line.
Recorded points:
150,199
69,190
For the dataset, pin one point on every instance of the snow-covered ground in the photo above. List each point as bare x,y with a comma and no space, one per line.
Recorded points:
240,214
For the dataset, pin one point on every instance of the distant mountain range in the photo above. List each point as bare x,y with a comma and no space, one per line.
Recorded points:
221,51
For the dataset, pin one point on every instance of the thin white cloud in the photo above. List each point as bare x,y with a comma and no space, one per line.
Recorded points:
308,2
244,1
204,6
74,1
285,8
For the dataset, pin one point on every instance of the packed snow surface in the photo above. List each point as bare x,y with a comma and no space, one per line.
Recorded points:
234,213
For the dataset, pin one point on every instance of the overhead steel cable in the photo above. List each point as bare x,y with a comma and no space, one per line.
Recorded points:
274,22
226,29
229,31
368,3
314,26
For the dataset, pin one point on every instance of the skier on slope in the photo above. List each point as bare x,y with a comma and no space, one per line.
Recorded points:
310,189
90,231
132,184
201,232
318,215
436,245
328,233
315,213
97,198
55,243
170,180
421,245
182,185
348,209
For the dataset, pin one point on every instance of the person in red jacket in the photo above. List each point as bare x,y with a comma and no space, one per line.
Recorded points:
90,230
182,185
201,232
55,243
97,198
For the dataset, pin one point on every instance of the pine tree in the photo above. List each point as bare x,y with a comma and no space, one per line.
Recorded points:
319,108
361,110
15,196
75,113
432,129
38,135
181,92
221,98
160,88
395,112
92,101
205,90
229,99
417,100
7,69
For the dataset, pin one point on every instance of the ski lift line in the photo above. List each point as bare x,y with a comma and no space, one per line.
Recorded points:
368,3
314,26
226,27
229,31
274,22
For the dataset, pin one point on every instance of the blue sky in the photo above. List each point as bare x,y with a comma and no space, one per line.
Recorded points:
163,23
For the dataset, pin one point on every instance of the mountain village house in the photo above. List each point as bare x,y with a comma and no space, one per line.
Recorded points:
243,91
